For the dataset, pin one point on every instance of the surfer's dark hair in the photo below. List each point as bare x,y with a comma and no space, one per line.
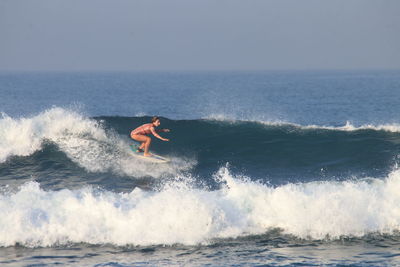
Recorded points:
154,119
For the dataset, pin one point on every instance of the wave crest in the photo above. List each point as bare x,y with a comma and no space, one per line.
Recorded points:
348,126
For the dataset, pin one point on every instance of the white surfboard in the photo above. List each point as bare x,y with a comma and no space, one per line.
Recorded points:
153,158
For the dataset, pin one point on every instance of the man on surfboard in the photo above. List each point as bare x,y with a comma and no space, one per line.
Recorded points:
141,132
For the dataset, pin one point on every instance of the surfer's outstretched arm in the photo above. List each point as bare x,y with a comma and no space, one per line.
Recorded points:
153,131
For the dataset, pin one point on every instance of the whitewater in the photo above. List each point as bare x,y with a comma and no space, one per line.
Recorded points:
34,217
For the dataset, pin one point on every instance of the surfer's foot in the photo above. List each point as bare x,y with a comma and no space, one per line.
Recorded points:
139,150
147,155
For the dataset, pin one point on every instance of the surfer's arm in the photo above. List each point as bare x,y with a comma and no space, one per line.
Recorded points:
163,130
156,134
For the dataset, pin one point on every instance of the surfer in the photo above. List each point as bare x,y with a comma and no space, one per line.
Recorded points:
141,132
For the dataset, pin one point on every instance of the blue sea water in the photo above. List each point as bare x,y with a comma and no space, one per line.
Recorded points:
267,168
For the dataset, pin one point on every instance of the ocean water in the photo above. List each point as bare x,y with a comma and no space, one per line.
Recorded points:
267,169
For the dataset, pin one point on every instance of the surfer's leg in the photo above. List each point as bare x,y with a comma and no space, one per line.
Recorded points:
139,149
147,146
141,146
145,140
140,138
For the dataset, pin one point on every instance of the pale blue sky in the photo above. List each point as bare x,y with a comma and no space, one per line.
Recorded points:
192,35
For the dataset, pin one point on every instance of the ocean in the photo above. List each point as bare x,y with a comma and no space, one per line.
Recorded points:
277,168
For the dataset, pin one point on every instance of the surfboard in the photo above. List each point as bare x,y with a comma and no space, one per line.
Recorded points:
153,158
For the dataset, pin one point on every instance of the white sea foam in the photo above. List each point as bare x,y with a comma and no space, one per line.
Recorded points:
233,119
348,126
181,214
393,127
83,140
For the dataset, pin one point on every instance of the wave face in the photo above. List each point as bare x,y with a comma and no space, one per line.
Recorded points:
278,151
64,141
34,217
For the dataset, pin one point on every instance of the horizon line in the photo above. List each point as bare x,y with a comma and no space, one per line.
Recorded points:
193,70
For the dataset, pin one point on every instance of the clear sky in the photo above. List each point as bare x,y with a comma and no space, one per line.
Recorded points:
131,35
